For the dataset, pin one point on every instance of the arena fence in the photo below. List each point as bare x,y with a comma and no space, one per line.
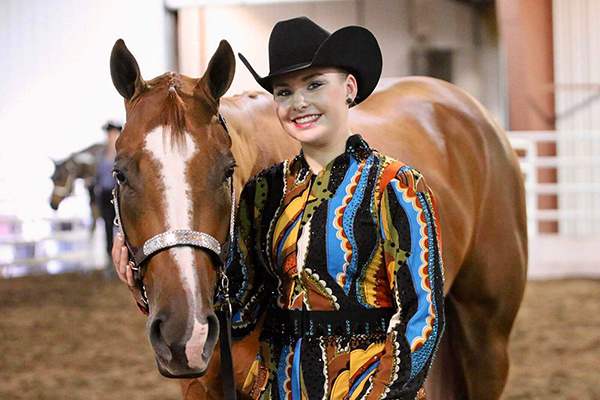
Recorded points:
44,242
572,251
47,242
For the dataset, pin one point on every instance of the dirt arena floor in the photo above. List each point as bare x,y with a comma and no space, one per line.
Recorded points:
77,336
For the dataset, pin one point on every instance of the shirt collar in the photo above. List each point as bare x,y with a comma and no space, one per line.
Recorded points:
355,146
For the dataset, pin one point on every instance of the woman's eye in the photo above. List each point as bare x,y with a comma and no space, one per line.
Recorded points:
119,177
283,93
315,85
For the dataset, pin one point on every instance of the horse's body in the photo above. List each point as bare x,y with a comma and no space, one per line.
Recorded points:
79,165
467,161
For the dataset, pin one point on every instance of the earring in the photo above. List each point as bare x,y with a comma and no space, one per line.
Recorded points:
349,100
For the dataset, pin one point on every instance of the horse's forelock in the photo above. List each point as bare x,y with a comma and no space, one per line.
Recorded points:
174,118
174,112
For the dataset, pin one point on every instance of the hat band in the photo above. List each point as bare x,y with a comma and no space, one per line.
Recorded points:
290,68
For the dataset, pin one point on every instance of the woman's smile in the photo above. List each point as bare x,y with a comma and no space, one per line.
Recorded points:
306,121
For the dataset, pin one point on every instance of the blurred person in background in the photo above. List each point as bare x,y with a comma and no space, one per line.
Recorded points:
105,184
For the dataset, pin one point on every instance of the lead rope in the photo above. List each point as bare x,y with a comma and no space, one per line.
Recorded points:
224,316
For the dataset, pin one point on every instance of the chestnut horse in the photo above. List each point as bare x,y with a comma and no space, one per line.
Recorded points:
174,159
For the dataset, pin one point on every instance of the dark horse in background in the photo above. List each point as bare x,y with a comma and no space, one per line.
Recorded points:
79,165
174,158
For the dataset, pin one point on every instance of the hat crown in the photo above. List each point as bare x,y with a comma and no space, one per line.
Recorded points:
294,42
299,43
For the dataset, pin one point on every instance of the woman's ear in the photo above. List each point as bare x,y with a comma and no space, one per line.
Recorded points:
351,86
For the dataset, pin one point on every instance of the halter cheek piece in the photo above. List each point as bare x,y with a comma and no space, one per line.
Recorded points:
139,255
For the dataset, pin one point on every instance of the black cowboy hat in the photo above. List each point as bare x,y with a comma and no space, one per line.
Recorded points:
299,43
112,125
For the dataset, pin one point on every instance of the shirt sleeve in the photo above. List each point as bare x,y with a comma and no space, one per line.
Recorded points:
244,269
411,234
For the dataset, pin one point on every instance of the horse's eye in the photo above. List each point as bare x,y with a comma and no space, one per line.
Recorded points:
119,177
230,170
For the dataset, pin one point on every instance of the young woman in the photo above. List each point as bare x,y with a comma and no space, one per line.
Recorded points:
339,246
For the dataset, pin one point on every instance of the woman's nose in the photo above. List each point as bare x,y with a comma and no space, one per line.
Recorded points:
299,101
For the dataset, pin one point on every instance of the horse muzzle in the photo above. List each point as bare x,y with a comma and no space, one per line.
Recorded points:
183,352
55,201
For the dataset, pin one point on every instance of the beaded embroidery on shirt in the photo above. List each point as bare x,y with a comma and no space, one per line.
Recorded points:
352,243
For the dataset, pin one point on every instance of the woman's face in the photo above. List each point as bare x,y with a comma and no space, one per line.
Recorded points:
311,104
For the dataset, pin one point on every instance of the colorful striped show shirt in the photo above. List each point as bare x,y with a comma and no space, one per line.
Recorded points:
362,234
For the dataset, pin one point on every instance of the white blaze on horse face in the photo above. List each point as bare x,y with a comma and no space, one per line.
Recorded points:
173,161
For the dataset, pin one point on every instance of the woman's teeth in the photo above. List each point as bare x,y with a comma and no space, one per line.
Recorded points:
306,119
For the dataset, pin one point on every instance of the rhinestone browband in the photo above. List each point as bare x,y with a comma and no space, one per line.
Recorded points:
180,237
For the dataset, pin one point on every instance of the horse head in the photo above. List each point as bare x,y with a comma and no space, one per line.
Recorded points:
172,167
63,179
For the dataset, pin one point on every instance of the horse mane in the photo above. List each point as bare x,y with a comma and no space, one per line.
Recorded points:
173,115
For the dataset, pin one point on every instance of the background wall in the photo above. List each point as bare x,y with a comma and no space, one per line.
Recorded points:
577,94
57,92
445,23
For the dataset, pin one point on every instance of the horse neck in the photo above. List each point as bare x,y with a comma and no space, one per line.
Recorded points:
95,149
245,143
258,141
87,160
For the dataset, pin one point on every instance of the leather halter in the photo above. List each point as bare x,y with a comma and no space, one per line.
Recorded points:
139,256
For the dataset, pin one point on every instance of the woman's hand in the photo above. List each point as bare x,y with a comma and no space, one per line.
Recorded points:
120,257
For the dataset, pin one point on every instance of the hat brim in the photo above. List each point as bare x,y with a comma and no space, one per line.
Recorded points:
110,126
352,48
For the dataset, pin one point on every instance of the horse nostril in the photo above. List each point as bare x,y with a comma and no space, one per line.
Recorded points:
213,332
155,329
158,341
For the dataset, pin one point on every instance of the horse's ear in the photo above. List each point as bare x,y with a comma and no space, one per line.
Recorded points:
220,71
125,71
